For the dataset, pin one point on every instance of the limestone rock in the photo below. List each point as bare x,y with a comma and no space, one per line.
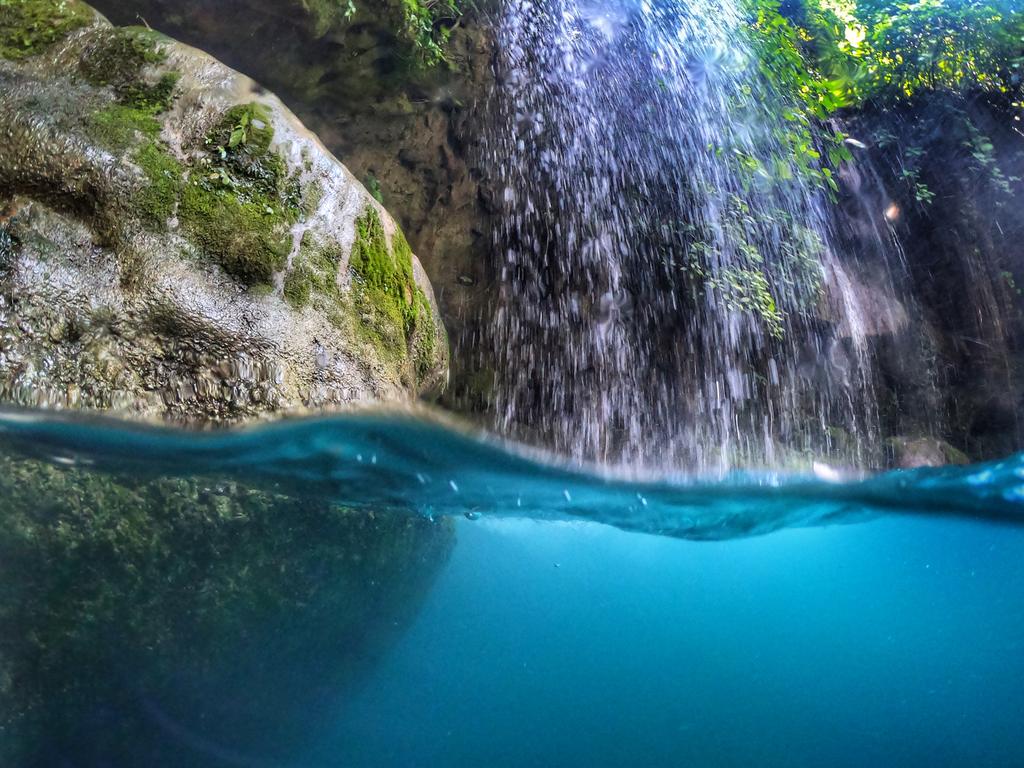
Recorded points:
173,242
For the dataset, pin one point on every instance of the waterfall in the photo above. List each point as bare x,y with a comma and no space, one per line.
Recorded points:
670,290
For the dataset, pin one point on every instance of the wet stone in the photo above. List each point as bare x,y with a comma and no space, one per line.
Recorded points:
148,237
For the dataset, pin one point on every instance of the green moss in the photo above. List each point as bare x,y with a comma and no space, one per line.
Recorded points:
124,129
298,286
312,199
380,268
239,204
118,61
29,26
425,352
157,202
394,313
250,239
156,98
384,288
954,455
372,184
314,277
118,127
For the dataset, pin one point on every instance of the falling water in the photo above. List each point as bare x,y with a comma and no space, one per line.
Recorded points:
670,293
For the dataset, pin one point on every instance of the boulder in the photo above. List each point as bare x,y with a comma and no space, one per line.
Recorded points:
912,453
175,244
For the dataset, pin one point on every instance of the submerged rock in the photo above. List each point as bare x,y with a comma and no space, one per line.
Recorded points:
911,453
172,621
174,243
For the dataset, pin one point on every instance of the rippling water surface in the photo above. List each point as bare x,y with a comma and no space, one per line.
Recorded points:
386,589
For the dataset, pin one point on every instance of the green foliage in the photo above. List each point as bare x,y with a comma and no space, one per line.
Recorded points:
983,158
244,132
837,53
372,184
1011,283
828,55
747,290
30,26
814,150
887,49
748,287
945,127
427,24
424,25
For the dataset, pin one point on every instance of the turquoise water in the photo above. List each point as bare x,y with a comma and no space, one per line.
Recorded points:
387,590
900,642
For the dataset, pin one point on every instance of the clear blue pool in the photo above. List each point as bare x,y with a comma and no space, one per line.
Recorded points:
479,607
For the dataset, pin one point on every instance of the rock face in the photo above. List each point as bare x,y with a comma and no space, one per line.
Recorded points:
174,243
941,176
411,132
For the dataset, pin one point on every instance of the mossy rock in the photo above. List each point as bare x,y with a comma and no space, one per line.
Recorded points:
237,608
223,229
28,27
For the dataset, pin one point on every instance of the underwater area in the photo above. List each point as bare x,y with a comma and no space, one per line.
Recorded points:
511,383
493,608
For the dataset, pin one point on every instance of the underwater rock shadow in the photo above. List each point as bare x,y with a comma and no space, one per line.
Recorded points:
190,622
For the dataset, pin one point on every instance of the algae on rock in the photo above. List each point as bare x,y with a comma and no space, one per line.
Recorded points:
151,187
